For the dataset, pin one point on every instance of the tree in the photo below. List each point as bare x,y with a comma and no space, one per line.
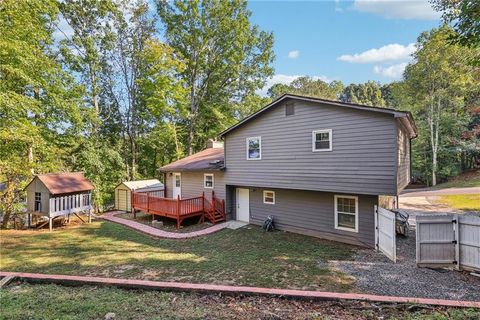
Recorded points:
308,86
438,82
38,100
464,15
368,93
227,58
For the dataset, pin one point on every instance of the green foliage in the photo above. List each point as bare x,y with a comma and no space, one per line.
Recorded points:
226,59
308,86
369,93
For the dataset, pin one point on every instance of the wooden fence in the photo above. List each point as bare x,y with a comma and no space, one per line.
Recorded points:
448,240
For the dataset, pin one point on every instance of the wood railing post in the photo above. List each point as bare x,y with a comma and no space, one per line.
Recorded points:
203,202
148,201
178,211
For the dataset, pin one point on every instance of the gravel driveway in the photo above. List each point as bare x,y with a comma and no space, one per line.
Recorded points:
376,274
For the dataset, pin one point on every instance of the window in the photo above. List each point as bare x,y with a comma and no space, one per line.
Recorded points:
289,109
177,180
254,148
269,197
38,201
322,140
208,180
346,213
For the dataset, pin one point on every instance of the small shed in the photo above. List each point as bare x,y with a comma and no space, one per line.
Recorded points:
123,192
59,194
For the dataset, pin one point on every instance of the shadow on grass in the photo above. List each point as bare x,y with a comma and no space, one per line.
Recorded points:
247,256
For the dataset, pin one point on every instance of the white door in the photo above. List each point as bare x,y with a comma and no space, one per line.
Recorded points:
385,232
243,204
177,185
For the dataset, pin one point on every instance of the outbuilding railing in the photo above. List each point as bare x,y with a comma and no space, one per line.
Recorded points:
70,204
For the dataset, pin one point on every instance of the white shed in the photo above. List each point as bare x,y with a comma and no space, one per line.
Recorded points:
123,192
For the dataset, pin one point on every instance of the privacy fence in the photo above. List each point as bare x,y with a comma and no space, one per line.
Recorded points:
448,240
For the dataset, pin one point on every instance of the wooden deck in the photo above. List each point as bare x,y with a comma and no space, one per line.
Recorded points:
180,209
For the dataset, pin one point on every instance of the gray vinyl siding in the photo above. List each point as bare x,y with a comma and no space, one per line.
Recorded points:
403,158
313,213
363,159
37,186
193,186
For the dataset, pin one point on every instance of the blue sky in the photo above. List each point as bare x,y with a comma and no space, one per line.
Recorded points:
351,41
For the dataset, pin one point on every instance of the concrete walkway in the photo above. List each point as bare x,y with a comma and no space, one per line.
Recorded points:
236,290
111,216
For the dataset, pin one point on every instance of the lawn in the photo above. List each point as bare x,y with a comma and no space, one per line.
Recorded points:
47,301
466,202
246,256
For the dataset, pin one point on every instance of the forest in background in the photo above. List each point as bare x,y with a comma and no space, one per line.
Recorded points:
118,88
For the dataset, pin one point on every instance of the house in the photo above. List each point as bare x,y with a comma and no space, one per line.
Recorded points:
317,166
54,195
123,192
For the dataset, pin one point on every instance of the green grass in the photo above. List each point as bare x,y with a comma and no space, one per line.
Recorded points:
247,256
466,202
47,301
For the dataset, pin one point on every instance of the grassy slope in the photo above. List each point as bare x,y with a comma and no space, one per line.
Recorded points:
23,301
467,179
246,256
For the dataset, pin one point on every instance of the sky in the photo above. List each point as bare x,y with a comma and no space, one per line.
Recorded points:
351,41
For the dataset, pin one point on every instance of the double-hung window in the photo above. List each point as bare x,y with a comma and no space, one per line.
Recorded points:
254,148
322,140
208,180
346,213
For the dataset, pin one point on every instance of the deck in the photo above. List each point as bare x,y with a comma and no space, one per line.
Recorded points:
179,209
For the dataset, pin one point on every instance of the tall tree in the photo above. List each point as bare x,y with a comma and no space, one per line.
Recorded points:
38,101
308,86
464,16
226,58
438,82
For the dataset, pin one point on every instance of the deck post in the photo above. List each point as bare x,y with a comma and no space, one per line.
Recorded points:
203,202
50,224
178,211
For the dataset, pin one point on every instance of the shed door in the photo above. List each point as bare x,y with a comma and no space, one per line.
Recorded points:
243,204
385,232
122,199
177,185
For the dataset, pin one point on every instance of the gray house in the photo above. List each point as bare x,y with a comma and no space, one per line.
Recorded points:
317,166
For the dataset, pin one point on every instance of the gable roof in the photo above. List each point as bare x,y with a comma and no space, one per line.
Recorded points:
64,182
208,159
405,115
140,184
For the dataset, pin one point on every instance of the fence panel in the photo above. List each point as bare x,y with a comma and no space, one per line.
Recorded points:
448,240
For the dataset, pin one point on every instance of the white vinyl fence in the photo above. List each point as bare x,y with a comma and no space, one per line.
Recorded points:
448,240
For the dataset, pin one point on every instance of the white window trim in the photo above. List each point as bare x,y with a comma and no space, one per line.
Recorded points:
264,193
260,147
336,213
314,132
205,175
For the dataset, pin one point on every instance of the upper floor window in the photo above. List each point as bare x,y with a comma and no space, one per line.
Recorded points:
322,140
254,148
208,180
289,109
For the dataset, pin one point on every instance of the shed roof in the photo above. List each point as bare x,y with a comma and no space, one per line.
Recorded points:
208,159
405,116
153,184
65,182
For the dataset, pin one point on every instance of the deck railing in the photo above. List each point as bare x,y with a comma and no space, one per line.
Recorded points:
70,204
180,208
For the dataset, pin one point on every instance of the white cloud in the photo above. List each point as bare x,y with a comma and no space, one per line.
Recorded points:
398,9
293,54
394,71
287,79
390,52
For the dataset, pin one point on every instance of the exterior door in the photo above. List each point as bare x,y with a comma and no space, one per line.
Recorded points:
177,185
243,204
385,234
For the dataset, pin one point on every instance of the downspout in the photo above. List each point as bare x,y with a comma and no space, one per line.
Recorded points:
164,184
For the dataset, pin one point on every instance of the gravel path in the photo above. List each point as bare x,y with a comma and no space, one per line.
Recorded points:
376,274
